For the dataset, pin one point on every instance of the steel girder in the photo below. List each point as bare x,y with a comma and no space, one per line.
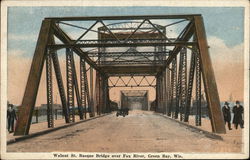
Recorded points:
115,54
101,94
77,91
128,83
60,86
93,109
136,17
168,92
159,87
211,90
174,87
50,117
85,97
190,86
116,44
28,103
70,85
198,92
183,85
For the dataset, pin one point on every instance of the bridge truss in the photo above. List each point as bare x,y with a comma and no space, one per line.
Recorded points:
170,50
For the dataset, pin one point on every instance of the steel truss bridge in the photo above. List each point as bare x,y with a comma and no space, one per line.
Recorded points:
167,52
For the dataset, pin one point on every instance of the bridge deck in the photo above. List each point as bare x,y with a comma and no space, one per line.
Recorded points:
140,131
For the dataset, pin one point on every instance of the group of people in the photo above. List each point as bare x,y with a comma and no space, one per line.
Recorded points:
237,118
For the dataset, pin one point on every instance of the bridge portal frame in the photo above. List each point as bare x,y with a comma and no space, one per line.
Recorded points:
46,45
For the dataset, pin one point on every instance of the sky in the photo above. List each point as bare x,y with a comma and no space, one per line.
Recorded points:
224,28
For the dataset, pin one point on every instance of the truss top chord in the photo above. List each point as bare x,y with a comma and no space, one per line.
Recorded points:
184,16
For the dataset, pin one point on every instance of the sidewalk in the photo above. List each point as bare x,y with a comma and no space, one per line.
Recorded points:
42,128
234,138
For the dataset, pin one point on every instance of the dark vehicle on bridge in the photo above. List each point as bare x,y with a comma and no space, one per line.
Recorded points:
122,112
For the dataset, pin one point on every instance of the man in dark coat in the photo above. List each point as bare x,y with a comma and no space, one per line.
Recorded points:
227,114
11,116
238,111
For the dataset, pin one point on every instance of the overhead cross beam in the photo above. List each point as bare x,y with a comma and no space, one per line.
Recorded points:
128,43
128,83
135,17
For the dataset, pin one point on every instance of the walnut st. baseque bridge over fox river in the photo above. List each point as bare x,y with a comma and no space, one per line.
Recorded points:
132,52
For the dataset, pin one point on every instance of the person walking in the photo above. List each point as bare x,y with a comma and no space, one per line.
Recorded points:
227,115
238,111
11,116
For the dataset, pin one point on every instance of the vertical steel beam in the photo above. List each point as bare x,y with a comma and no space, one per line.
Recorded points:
101,95
168,88
30,94
198,92
49,83
85,97
121,99
86,86
93,109
97,93
158,94
161,93
173,86
75,81
108,98
82,86
178,88
212,95
183,83
70,85
147,102
102,104
105,94
60,86
190,86
164,95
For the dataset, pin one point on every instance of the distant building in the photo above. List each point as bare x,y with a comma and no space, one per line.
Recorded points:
44,107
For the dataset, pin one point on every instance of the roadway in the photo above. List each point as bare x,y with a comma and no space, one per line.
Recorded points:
140,131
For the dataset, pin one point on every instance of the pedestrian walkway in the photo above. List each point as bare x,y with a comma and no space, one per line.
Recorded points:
43,126
234,138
